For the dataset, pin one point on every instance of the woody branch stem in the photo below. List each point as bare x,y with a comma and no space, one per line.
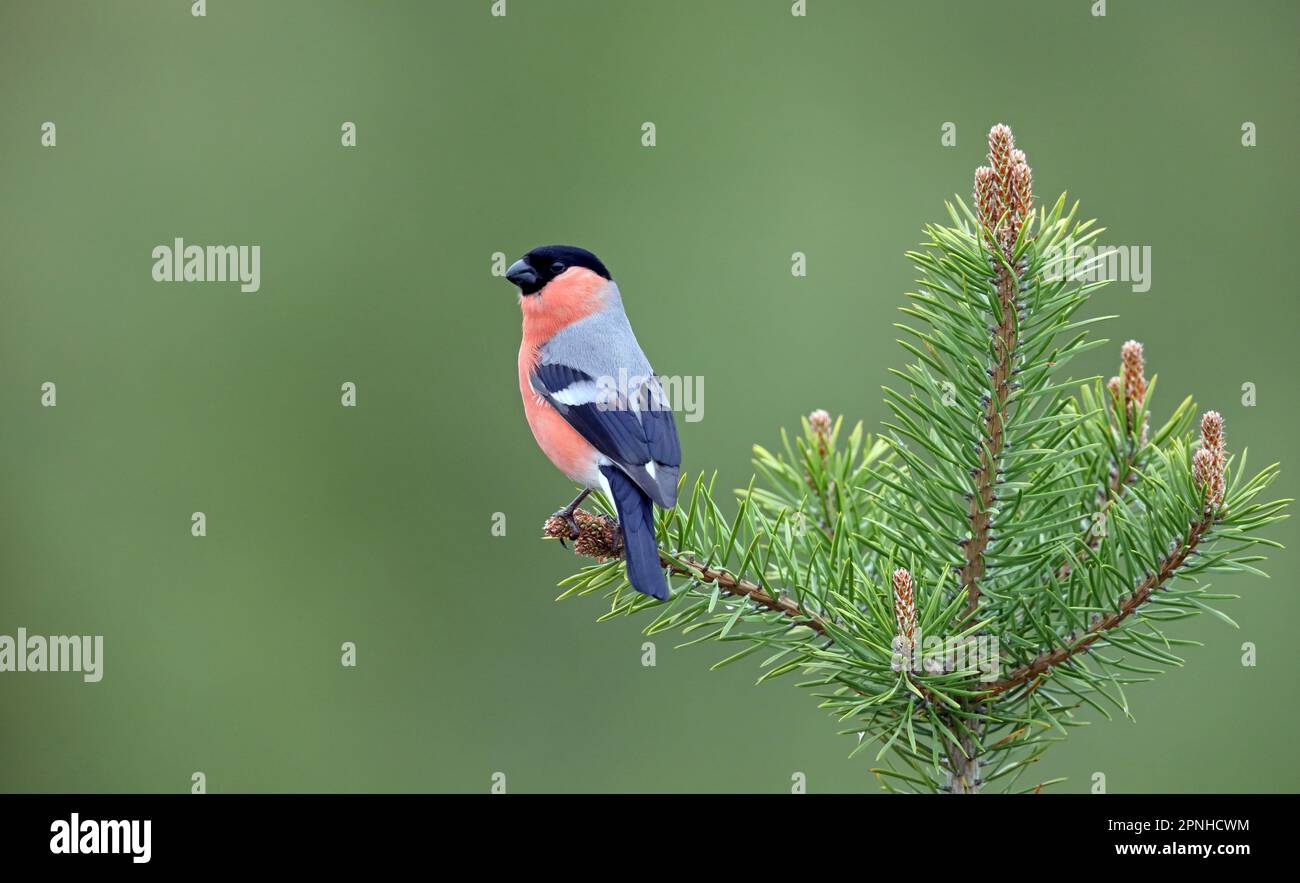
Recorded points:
599,538
1095,632
986,474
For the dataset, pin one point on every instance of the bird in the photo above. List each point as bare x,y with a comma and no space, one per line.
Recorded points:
595,407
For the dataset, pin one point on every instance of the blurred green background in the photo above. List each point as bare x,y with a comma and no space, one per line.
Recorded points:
479,134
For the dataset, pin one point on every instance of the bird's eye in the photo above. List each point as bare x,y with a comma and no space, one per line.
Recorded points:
557,268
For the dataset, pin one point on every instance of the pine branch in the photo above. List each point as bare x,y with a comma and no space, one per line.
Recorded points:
938,722
1004,200
743,589
840,563
599,538
1096,631
1128,404
986,476
1210,479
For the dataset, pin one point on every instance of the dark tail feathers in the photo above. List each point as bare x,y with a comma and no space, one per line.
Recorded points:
637,520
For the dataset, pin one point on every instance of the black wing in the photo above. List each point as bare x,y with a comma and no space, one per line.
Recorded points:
643,443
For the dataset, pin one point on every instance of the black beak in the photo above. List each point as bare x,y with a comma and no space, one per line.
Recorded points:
524,276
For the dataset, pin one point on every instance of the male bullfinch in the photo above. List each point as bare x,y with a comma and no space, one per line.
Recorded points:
593,403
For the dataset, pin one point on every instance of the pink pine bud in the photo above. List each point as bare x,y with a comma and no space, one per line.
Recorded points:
820,421
1001,144
1004,190
1133,381
1212,432
1022,191
904,605
1134,373
1210,462
1208,478
986,197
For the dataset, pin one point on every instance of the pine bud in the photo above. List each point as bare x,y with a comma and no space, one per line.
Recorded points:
556,528
1203,473
986,197
904,605
1022,191
598,535
821,427
1001,144
1212,432
1004,190
1131,386
1133,370
1116,388
1210,461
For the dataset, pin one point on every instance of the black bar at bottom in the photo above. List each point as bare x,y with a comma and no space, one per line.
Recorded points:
237,831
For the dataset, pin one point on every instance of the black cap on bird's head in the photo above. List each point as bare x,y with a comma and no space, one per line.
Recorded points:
534,270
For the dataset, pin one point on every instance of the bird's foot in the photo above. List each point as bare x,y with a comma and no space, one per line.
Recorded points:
566,515
556,524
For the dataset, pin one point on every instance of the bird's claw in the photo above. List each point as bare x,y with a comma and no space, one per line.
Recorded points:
567,515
